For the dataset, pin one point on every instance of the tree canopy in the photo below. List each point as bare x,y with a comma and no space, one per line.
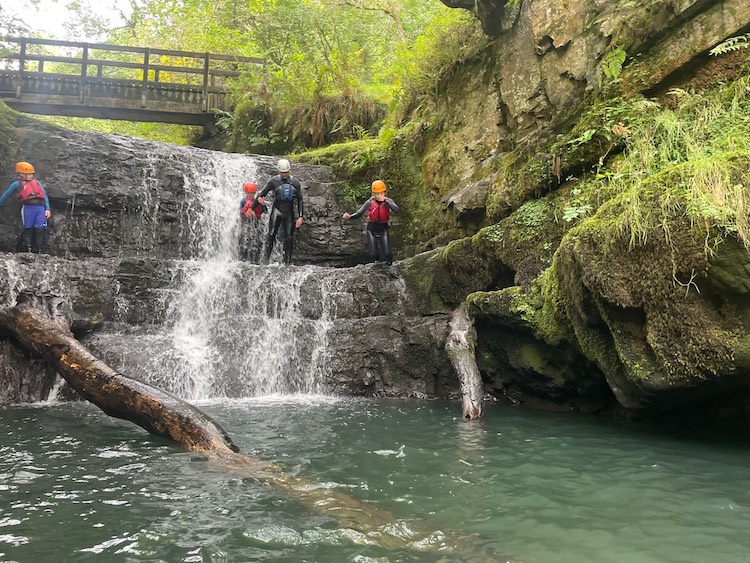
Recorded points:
333,66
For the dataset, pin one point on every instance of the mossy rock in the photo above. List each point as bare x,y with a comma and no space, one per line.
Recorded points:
520,369
639,315
8,145
730,269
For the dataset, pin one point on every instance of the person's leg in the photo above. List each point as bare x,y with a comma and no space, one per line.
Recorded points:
28,239
254,242
372,248
28,233
273,228
40,228
386,246
288,239
33,221
242,242
41,239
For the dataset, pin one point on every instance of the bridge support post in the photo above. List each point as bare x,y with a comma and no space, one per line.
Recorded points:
146,59
21,66
206,63
84,69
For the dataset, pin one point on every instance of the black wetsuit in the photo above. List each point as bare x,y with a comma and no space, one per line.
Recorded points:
282,213
377,231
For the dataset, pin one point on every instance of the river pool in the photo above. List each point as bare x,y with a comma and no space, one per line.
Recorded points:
76,485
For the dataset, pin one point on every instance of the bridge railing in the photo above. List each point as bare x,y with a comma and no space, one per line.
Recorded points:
91,62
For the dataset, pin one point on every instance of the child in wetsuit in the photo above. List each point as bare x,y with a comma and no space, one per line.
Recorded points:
35,208
378,208
251,209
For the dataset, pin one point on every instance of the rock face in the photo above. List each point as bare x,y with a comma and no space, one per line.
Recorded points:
257,330
118,196
143,250
530,84
573,310
579,306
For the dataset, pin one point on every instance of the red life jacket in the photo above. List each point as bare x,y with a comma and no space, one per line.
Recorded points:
30,189
248,210
378,212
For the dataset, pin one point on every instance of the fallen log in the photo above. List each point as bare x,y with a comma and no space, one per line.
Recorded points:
44,330
461,348
46,334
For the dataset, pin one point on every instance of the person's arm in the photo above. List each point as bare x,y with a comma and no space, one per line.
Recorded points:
361,211
46,199
300,203
257,203
247,207
267,188
13,187
392,205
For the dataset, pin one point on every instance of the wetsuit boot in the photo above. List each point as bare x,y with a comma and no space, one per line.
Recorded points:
28,239
41,239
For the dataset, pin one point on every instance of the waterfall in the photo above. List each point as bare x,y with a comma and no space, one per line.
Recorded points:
235,329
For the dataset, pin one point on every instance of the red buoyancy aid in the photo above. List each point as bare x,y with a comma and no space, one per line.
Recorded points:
30,189
248,210
378,212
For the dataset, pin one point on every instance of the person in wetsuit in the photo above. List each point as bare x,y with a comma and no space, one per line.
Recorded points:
35,208
285,189
251,209
378,209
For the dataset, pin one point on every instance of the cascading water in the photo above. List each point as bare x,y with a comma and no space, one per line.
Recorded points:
151,263
236,329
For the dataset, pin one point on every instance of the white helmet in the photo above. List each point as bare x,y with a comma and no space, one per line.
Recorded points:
284,165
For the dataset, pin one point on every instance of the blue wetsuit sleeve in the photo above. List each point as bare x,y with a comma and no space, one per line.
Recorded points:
392,205
46,199
361,211
13,187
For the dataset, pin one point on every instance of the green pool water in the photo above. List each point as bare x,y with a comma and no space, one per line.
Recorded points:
76,485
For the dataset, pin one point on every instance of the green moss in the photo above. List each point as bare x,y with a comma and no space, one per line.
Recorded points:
538,310
353,160
420,275
8,145
520,178
730,269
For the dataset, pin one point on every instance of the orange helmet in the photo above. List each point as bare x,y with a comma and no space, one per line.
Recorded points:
24,168
378,186
250,188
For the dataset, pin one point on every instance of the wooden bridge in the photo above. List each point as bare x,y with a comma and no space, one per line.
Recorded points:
117,82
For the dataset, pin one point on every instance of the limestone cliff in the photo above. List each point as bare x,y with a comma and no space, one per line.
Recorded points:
592,275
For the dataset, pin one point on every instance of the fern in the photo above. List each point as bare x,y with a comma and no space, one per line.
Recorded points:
731,44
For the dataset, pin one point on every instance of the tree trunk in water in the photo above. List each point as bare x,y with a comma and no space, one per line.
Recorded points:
461,346
47,335
45,332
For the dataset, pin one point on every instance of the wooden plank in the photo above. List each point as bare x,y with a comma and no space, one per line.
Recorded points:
125,64
71,78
